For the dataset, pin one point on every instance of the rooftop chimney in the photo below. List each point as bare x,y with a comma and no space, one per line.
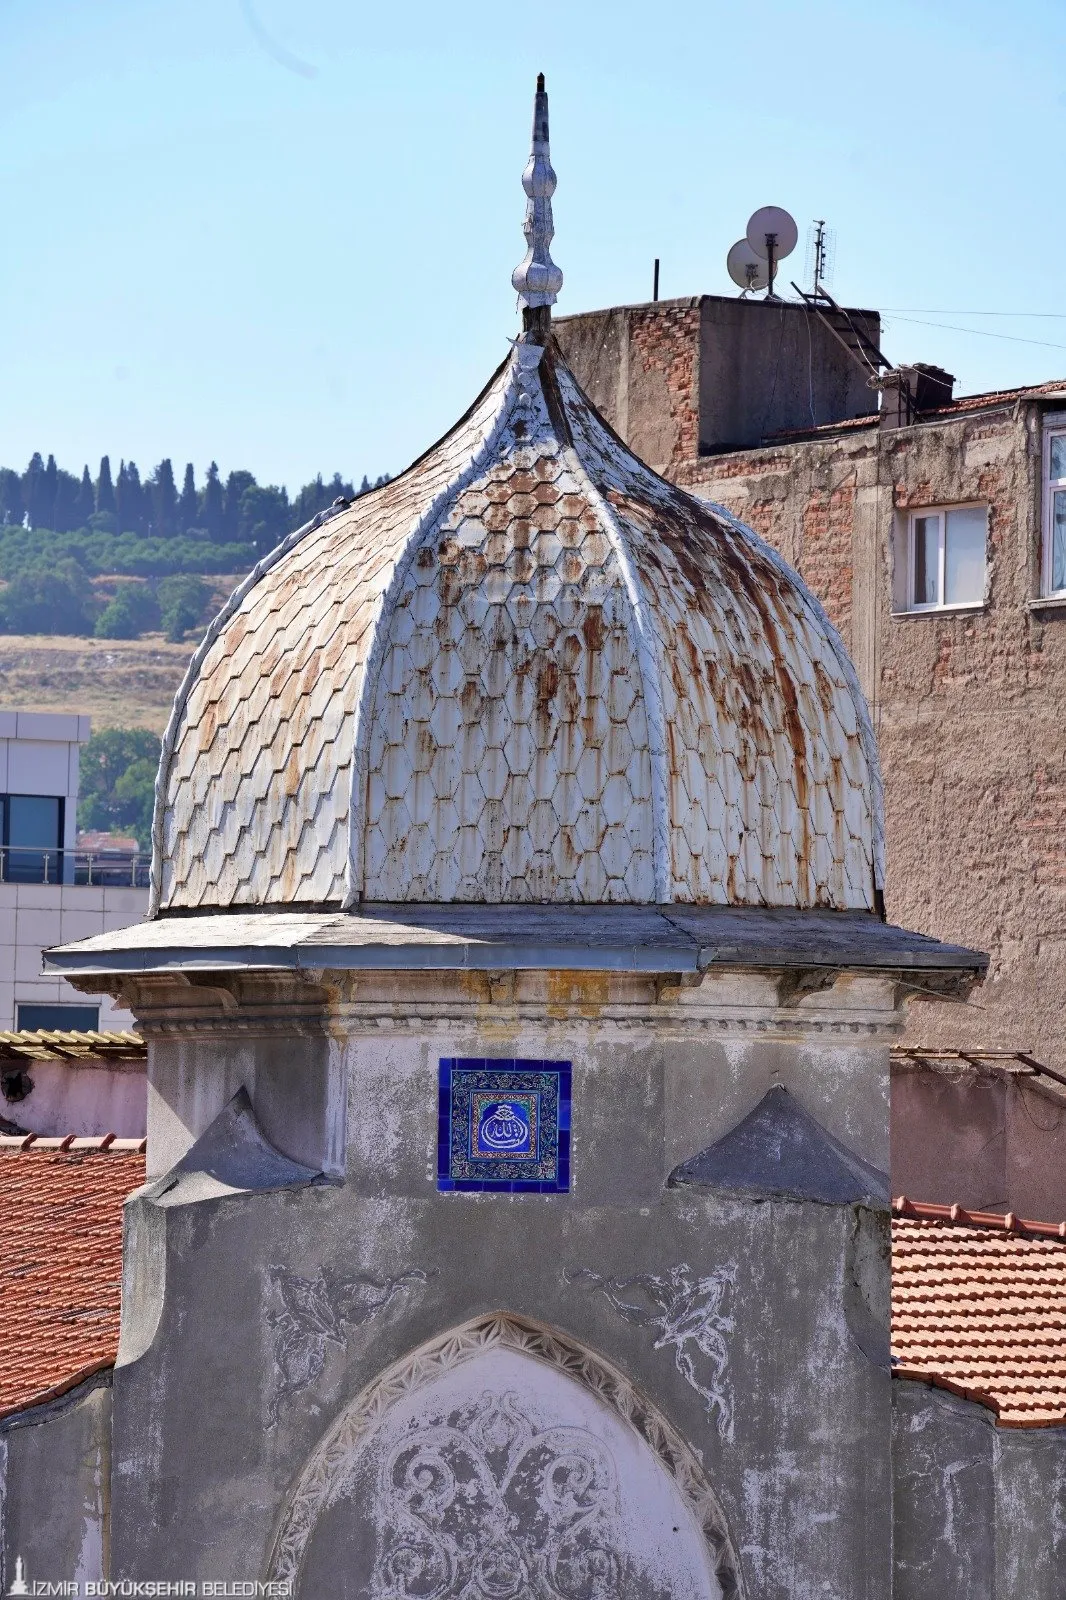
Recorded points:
907,392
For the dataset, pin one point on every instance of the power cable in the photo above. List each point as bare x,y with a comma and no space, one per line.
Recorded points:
977,333
946,311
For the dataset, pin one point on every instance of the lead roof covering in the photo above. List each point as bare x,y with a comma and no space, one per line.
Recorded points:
528,669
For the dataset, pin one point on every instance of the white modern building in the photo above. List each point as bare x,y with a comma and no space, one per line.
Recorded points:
50,892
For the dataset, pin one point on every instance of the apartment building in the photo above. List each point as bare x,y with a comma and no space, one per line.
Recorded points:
51,891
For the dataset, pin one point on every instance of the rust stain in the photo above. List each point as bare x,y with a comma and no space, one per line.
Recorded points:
585,993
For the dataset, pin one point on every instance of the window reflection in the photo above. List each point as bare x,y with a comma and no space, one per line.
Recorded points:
32,838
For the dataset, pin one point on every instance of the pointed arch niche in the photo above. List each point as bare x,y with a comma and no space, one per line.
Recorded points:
504,1461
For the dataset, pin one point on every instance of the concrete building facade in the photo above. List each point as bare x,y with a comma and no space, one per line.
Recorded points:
45,897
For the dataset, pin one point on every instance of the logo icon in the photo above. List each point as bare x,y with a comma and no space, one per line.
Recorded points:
504,1127
19,1584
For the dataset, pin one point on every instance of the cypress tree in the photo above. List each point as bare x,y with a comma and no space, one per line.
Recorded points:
32,490
137,497
49,484
65,504
236,484
12,508
105,489
211,507
86,500
188,501
163,494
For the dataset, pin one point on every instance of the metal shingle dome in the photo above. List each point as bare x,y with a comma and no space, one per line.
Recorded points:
527,669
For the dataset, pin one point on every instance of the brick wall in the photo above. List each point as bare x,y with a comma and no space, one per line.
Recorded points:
969,706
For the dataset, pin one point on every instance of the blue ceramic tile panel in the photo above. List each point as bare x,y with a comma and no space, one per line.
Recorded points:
503,1125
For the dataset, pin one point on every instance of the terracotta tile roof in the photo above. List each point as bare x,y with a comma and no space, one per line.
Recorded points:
60,1262
979,1307
988,401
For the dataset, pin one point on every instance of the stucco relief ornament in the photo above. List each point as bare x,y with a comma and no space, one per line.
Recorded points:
686,1312
315,1313
479,1505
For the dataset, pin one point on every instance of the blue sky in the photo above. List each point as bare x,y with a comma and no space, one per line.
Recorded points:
282,234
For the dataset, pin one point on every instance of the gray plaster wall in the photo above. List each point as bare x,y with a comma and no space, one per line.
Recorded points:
55,1461
980,1511
756,1330
768,366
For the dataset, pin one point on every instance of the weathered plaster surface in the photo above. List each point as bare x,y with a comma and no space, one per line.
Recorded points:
71,1097
56,1464
759,1348
980,1511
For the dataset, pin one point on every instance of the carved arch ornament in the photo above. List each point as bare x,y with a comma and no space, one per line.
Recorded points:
331,1466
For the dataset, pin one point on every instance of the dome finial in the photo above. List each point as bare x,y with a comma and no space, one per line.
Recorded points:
537,278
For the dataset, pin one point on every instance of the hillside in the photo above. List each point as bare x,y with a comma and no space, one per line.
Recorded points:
119,683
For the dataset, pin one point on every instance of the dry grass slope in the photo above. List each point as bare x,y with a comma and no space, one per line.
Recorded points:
119,683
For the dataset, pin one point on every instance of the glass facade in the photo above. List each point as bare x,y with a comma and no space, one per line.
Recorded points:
32,838
57,1019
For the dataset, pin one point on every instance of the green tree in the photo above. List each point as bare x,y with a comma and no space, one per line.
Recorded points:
182,599
33,491
211,505
188,502
12,509
86,499
130,500
308,503
264,517
65,502
236,484
52,598
105,489
164,500
49,483
132,610
117,779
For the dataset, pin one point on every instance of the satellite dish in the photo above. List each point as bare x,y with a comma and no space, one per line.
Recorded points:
770,229
747,270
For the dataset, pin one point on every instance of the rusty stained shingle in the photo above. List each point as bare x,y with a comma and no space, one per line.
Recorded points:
558,679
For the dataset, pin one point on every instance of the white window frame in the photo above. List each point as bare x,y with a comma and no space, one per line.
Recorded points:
912,607
1054,427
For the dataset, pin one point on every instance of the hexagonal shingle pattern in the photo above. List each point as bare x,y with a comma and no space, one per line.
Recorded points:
554,676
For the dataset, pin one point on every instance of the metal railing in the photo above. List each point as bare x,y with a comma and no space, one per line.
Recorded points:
109,869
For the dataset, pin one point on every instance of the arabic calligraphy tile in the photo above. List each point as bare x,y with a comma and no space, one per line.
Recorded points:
503,1125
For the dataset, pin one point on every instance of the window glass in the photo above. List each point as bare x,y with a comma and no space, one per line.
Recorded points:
33,838
1058,540
926,560
1058,456
964,556
62,1019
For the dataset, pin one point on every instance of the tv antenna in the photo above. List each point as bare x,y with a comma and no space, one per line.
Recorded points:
772,234
821,256
747,270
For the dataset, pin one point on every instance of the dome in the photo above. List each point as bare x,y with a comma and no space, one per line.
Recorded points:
526,669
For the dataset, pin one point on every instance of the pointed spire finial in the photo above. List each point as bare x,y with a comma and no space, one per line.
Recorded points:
537,278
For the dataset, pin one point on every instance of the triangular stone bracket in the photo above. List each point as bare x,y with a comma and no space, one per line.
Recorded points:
231,1156
779,1152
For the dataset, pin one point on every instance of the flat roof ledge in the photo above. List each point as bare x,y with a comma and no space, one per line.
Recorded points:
624,938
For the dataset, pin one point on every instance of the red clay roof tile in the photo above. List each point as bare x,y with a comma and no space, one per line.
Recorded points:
979,1307
60,1265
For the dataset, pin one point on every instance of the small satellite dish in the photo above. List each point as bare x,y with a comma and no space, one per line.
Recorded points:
747,270
770,229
